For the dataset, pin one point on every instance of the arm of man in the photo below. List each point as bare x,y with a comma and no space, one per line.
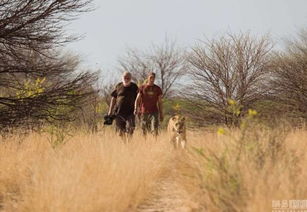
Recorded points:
137,103
112,104
160,107
113,100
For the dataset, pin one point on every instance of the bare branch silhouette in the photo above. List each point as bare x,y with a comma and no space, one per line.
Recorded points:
231,68
166,60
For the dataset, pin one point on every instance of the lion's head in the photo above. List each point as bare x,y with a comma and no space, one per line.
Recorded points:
178,123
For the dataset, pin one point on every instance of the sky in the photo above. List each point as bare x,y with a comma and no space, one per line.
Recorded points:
116,25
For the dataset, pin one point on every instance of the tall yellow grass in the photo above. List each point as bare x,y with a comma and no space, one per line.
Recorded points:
87,173
233,171
246,170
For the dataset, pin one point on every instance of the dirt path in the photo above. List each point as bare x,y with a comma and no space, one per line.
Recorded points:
169,195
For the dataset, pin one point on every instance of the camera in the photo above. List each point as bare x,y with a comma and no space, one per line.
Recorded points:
108,119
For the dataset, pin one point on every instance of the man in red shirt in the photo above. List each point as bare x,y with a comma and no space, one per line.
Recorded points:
149,101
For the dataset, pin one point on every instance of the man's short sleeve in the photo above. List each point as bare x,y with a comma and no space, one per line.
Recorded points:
114,92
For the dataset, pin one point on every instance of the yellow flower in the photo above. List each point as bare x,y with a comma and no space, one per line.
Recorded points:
177,107
232,102
221,131
252,112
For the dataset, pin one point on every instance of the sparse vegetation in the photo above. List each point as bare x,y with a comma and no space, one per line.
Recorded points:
245,103
233,170
86,173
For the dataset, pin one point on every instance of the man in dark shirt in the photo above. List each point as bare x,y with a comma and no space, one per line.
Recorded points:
149,102
123,99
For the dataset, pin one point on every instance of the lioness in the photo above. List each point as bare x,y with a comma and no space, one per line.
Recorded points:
177,131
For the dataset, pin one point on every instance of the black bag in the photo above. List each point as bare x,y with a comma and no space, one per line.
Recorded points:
108,119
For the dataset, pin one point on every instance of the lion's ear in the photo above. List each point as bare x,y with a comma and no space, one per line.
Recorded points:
183,118
174,118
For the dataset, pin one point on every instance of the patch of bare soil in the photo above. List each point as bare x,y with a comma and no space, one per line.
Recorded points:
169,194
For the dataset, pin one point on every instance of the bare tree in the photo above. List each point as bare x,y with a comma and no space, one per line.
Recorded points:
50,96
137,63
289,76
169,62
166,60
227,72
36,24
36,82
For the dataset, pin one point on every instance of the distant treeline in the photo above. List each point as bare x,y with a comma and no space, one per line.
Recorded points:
218,81
214,82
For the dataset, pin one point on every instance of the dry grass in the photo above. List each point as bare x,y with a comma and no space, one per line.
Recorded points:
245,170
238,171
87,173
